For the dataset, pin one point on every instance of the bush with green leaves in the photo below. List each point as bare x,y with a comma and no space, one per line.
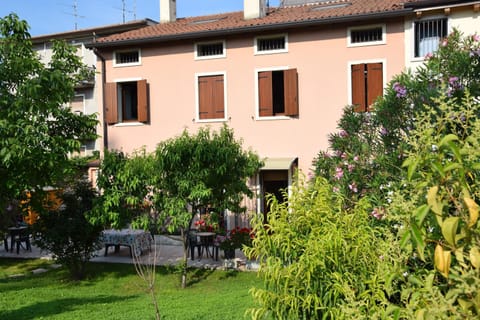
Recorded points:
438,209
321,261
66,231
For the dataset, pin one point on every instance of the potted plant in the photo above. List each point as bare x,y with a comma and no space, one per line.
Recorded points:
234,239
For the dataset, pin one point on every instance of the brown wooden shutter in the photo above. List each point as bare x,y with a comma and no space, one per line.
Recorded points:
205,102
265,94
374,83
111,108
218,98
358,87
142,101
290,80
211,97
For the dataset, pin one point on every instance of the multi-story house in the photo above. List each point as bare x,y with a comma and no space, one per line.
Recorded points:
279,76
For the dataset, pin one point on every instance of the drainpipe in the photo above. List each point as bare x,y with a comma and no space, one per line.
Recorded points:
104,81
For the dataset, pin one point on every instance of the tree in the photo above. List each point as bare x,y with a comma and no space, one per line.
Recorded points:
37,129
206,169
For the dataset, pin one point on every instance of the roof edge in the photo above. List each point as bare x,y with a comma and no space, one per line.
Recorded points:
271,27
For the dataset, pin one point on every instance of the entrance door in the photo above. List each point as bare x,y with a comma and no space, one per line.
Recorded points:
274,182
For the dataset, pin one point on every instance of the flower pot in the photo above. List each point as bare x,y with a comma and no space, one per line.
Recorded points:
229,253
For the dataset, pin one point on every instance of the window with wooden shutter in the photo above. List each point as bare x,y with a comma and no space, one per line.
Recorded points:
278,93
367,85
126,101
211,97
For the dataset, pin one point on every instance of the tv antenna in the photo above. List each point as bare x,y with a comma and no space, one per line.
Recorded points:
75,13
125,11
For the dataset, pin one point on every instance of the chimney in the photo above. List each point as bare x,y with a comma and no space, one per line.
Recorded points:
168,11
253,9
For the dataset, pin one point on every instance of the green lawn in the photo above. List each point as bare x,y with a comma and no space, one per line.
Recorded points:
114,291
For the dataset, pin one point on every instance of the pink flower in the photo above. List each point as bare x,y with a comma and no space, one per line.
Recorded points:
476,37
356,158
350,167
338,173
428,56
353,187
335,189
444,42
343,134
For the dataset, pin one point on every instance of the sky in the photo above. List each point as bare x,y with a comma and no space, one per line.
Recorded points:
53,16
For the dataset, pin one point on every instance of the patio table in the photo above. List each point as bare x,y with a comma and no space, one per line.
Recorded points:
138,241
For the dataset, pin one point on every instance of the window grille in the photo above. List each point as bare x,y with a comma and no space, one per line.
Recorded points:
210,49
428,34
366,35
271,44
127,57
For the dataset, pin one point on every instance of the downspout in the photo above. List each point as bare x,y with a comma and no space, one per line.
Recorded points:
104,81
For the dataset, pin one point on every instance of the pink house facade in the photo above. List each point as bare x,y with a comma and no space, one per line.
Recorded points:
280,77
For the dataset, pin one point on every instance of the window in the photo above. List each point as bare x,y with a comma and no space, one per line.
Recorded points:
211,97
278,93
271,44
367,85
210,50
428,34
77,104
126,58
370,35
126,102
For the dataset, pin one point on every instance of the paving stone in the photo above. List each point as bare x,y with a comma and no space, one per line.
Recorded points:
39,270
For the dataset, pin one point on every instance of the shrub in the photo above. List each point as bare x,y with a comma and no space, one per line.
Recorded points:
67,233
320,261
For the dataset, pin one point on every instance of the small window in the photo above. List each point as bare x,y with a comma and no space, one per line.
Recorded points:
126,58
126,102
273,44
211,97
428,34
366,36
278,93
210,50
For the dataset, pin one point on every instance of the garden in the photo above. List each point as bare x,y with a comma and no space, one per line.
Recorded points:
386,227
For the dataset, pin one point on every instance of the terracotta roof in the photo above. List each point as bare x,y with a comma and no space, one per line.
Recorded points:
99,31
290,16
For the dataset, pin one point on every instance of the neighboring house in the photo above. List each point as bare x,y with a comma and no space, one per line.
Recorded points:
432,20
280,77
85,99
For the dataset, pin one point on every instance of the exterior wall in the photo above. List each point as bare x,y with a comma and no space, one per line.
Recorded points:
322,60
464,19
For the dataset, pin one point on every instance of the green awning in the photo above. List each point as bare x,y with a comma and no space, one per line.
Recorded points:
278,163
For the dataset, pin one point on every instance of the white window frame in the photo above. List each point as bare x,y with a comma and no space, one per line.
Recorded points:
413,35
223,55
257,107
116,64
255,44
120,122
383,61
197,98
368,43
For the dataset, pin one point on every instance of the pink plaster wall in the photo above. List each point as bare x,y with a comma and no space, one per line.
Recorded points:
321,57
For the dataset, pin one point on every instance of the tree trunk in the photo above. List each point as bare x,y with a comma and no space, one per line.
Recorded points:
185,257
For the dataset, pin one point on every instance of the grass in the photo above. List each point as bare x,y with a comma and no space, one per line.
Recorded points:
114,291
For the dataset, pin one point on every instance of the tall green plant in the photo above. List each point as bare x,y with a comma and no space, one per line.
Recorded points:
318,260
443,168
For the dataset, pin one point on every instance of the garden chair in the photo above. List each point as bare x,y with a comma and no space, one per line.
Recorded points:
23,237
